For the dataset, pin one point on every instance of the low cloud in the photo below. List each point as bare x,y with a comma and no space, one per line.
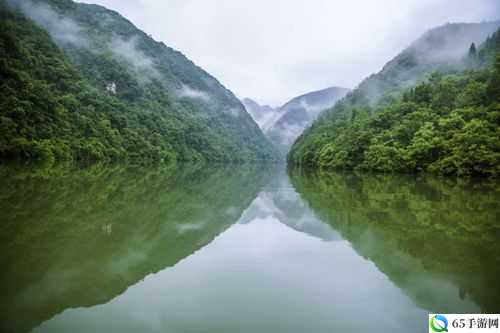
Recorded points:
315,109
288,133
65,30
234,112
62,29
188,92
316,43
127,49
189,227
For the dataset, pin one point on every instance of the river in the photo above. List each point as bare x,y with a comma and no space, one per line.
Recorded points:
242,248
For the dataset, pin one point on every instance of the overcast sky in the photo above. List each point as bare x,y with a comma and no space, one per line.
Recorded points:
272,50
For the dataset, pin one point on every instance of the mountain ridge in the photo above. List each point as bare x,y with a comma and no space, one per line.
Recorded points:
171,109
264,115
299,113
400,119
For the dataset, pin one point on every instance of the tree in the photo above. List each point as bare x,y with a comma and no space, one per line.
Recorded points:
472,51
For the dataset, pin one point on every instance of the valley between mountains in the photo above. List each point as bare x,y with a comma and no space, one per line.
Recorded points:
82,83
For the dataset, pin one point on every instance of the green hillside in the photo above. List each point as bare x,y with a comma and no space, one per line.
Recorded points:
80,82
446,122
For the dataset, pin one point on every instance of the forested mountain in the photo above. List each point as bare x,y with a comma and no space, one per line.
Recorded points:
81,82
442,49
434,108
264,115
299,113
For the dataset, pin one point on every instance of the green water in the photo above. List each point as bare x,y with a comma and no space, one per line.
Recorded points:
201,248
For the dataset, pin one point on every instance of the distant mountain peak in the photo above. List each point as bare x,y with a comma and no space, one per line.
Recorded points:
299,113
264,115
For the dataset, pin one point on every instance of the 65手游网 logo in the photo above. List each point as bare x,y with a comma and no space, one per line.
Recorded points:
438,323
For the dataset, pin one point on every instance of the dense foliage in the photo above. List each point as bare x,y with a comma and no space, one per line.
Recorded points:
448,124
80,82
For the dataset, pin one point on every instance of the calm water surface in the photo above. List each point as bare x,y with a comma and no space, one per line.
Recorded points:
242,249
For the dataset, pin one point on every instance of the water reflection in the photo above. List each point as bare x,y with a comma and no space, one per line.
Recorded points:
243,249
264,274
74,238
437,239
279,200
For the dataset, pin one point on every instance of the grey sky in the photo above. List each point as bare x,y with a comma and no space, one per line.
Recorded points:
272,50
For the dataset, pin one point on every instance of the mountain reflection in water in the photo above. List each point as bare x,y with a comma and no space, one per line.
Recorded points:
243,248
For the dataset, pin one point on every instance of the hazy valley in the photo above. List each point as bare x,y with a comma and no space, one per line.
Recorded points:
201,166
